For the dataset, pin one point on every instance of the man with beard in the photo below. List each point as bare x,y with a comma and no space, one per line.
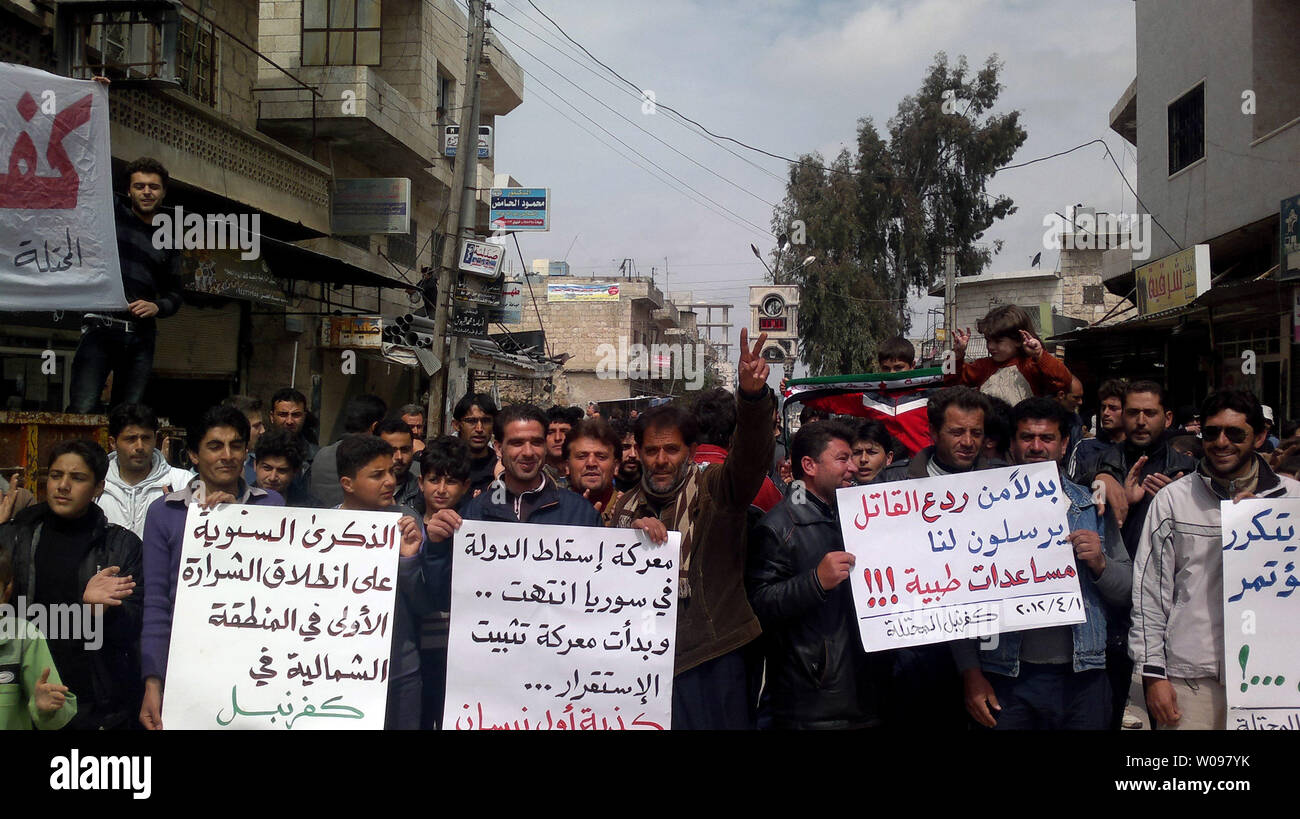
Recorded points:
628,473
473,415
138,474
397,432
1134,471
1177,635
927,691
708,507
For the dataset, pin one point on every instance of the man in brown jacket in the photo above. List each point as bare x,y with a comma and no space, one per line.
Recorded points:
708,505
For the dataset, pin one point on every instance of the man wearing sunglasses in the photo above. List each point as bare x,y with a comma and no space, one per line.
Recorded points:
1180,558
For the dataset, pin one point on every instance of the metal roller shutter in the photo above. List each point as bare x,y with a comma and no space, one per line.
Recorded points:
198,343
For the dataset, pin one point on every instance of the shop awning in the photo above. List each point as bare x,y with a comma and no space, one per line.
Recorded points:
1226,300
290,261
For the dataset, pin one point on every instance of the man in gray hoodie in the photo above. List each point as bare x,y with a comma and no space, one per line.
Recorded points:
138,474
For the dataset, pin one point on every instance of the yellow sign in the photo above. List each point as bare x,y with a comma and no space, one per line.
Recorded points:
1173,281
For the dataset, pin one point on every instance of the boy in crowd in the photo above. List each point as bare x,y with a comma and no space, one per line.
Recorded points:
65,553
31,693
873,451
365,469
1017,367
277,465
445,482
138,474
558,423
896,355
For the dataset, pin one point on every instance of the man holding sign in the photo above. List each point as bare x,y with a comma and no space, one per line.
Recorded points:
1052,678
709,507
1177,634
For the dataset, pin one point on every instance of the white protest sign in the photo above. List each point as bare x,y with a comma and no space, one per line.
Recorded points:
283,619
1261,613
561,628
58,238
965,555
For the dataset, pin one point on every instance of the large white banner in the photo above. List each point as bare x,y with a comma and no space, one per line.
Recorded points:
58,240
1261,614
283,619
561,628
967,555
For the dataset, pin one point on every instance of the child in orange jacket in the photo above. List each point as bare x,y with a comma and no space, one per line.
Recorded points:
1017,367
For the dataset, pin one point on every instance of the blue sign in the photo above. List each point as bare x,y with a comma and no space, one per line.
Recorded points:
520,209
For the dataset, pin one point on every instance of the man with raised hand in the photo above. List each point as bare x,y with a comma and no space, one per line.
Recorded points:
708,506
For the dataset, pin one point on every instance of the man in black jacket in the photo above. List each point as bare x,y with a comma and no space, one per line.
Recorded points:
88,568
1134,470
818,676
123,343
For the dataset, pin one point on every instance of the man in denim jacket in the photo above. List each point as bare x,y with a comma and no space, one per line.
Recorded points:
1052,678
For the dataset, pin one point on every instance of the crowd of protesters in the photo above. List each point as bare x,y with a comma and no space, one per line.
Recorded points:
767,635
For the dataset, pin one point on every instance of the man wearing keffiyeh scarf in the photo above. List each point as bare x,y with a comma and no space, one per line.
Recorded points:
708,505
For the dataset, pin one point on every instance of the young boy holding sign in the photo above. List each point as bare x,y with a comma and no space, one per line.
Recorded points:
365,468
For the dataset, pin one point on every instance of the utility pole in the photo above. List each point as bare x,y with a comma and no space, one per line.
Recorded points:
949,293
452,375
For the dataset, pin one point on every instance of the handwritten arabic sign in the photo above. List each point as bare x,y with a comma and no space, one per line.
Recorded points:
283,619
959,556
1261,613
561,627
58,242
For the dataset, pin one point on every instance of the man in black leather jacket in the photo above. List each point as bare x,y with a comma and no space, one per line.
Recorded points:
818,676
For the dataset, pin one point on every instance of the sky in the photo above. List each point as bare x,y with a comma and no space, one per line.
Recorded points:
790,78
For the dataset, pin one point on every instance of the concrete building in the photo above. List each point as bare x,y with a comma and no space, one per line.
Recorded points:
275,102
1214,113
599,324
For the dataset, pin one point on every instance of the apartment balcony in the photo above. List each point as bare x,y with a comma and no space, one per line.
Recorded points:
372,119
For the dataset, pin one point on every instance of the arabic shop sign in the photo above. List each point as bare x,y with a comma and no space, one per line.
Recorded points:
58,249
586,291
520,209
1173,281
965,555
1261,614
283,619
481,258
226,273
561,627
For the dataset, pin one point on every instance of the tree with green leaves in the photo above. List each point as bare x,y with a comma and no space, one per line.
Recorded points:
880,219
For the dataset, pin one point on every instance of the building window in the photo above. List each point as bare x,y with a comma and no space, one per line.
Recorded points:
1275,57
197,61
445,86
1187,129
139,43
340,32
403,249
